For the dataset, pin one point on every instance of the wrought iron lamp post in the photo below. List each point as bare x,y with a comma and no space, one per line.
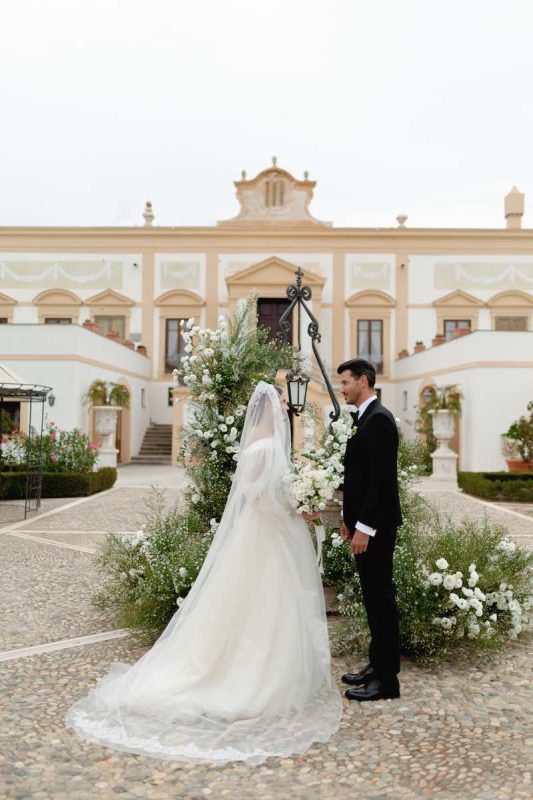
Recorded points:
297,379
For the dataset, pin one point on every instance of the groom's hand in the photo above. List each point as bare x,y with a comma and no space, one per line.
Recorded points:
359,543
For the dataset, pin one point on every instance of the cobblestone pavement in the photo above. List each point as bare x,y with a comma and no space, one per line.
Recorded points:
459,732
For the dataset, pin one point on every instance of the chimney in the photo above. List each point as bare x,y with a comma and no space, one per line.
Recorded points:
148,215
514,209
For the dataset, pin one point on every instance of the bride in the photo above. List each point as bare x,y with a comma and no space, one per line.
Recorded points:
242,671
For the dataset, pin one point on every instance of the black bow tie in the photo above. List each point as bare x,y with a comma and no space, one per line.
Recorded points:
355,416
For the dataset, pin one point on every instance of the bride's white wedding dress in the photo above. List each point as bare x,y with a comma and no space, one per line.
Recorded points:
242,671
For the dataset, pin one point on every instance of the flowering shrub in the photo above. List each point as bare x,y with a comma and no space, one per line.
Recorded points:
61,451
314,482
150,574
459,585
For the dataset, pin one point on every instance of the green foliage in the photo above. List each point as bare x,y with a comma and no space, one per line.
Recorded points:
106,393
508,486
147,575
7,425
60,451
150,573
58,484
524,436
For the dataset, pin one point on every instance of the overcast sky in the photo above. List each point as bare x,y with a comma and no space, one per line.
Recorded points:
394,106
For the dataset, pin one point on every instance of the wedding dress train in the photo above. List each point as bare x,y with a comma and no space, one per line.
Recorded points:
242,671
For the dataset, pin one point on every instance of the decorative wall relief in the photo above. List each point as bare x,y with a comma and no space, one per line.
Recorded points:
484,275
180,275
66,273
369,275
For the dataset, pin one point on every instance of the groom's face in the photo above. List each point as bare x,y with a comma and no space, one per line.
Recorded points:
351,387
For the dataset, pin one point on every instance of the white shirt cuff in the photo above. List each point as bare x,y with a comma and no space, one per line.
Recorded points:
366,529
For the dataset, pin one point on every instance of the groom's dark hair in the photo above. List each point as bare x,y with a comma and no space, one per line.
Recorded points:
358,367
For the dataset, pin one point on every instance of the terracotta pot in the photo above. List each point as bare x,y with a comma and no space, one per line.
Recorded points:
129,343
113,335
517,465
419,348
403,354
142,349
91,326
457,332
438,340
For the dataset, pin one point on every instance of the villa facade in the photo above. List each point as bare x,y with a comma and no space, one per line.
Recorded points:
379,293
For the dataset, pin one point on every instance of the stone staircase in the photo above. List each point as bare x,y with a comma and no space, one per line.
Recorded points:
156,447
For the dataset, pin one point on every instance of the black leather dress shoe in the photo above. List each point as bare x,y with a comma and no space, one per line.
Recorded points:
359,678
374,690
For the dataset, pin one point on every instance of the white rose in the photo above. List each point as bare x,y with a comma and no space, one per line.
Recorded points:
183,572
435,578
449,582
441,563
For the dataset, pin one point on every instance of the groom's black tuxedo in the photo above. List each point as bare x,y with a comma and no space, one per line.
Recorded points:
371,498
370,471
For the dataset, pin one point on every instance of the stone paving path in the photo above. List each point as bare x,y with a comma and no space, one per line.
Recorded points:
460,732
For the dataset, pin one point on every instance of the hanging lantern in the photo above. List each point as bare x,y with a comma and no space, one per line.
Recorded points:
297,382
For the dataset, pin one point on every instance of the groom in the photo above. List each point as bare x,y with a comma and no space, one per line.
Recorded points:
372,514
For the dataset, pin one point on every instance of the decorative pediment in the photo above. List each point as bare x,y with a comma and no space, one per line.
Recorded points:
514,299
374,299
109,298
5,300
179,297
458,298
272,272
274,196
57,297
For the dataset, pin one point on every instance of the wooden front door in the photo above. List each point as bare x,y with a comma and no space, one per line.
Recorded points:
269,312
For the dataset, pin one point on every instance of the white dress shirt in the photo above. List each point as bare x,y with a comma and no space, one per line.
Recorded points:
361,409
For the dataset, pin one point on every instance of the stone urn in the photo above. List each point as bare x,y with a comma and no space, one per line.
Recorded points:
444,458
105,423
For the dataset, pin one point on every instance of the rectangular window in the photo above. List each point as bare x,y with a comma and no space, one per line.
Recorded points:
174,344
111,323
58,321
511,323
451,324
370,342
3,320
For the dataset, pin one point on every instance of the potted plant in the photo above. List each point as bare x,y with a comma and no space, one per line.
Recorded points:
107,399
403,353
129,343
142,349
517,443
113,335
439,338
419,346
442,405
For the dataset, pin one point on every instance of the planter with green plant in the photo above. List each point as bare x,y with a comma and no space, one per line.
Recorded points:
517,443
108,399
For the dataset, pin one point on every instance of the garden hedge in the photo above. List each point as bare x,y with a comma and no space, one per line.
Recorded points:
58,484
508,486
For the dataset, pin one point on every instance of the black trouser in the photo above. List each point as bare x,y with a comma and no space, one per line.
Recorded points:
379,596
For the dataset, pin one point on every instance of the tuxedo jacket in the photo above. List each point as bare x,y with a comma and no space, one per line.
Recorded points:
370,472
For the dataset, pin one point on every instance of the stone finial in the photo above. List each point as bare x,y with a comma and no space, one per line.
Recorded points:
306,175
148,215
401,219
514,208
274,161
243,174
